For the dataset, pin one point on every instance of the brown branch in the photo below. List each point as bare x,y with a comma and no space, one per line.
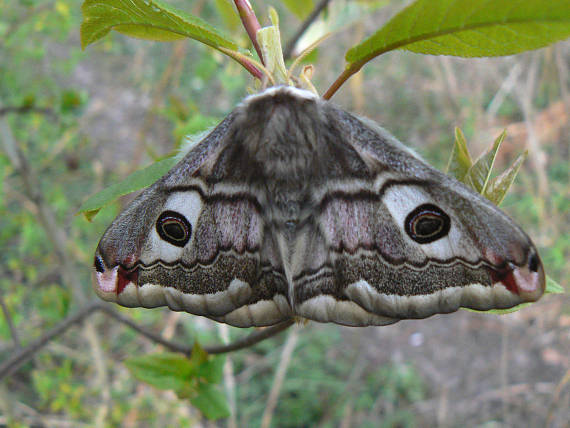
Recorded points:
250,340
255,337
8,318
184,349
28,109
304,26
62,249
23,355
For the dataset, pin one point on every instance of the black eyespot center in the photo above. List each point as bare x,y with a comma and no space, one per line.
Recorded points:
174,228
427,223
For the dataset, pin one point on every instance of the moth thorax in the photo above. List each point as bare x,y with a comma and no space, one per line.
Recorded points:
281,134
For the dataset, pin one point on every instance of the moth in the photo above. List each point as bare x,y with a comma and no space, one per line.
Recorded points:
293,207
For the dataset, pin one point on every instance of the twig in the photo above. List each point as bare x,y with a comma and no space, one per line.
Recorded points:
536,154
60,243
229,377
28,109
288,349
250,23
24,354
184,349
8,318
556,397
504,374
505,89
304,26
255,337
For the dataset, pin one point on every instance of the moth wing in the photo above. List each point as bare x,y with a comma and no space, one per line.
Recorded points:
186,244
410,243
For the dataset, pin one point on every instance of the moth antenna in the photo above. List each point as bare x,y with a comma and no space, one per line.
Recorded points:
238,55
306,52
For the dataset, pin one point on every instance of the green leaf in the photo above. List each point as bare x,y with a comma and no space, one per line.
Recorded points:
300,8
500,185
269,39
198,355
552,287
146,19
478,175
163,371
502,311
135,181
211,402
212,370
228,13
468,28
460,161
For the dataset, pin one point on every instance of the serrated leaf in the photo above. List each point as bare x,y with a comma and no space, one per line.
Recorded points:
552,287
478,175
163,371
147,19
500,185
468,28
460,160
135,181
211,401
300,8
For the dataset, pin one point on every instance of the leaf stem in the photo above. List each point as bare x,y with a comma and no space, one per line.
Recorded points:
250,23
349,71
354,67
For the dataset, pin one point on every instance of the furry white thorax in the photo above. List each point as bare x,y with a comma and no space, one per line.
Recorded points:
274,90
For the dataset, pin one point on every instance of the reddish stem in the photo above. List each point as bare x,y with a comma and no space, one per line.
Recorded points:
250,23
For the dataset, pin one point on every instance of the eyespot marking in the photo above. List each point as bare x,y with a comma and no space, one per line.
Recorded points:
427,223
174,228
99,267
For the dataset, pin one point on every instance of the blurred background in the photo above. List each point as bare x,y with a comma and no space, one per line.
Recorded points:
83,120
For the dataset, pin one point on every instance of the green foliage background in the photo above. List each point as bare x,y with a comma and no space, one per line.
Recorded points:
86,119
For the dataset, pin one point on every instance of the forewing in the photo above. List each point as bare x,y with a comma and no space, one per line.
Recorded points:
196,247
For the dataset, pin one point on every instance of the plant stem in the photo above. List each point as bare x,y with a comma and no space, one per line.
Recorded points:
304,26
250,23
349,71
22,355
